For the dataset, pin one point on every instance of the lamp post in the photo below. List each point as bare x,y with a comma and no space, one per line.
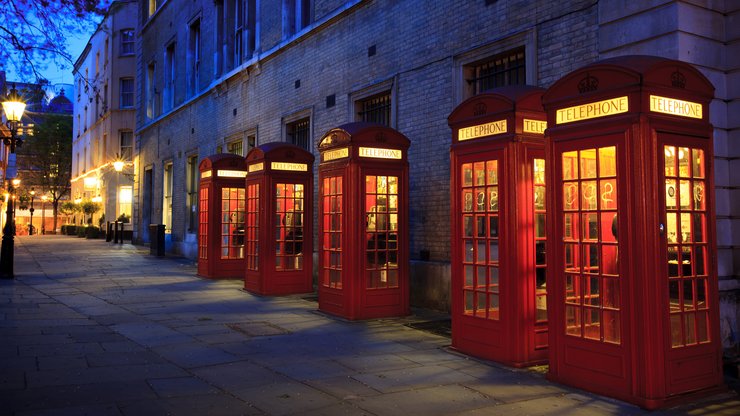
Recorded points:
30,223
43,213
13,108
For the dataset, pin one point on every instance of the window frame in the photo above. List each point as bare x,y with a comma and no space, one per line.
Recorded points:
126,93
127,43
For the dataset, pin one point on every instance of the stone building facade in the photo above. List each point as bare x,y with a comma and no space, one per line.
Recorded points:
104,114
225,75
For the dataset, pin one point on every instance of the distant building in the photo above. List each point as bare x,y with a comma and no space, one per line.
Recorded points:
104,114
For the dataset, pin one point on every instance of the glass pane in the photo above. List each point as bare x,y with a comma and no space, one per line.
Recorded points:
468,226
688,295
571,258
469,302
480,226
699,197
467,201
592,324
683,162
608,161
493,306
591,297
393,185
493,271
467,174
608,194
676,333
469,276
590,226
701,294
589,195
702,327
570,196
609,259
539,197
674,301
570,227
588,163
539,253
539,225
612,332
481,252
492,169
611,293
697,159
468,251
570,165
609,227
479,173
480,199
572,320
493,198
686,228
481,304
572,289
670,193
684,194
493,251
539,171
670,160
700,267
689,320
591,262
370,184
493,225
671,227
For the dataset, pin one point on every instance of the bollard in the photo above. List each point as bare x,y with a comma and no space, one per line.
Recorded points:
156,238
120,234
108,232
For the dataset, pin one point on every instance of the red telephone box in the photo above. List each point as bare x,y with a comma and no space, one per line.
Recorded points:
499,307
363,222
221,216
279,226
632,279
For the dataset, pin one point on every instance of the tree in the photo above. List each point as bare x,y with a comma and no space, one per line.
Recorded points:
33,33
68,208
90,208
49,155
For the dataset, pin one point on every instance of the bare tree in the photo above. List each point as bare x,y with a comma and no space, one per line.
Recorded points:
33,33
49,156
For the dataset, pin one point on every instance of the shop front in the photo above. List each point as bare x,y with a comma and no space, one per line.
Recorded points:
363,222
221,216
499,305
279,226
632,279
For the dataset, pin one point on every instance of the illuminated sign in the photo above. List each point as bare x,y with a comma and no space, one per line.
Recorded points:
481,130
298,167
231,173
256,167
206,174
336,154
593,110
379,153
534,126
675,107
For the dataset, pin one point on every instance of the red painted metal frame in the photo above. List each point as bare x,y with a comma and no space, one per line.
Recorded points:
516,338
354,300
643,369
267,279
214,266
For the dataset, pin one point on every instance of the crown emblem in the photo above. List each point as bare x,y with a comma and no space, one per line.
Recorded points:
588,84
480,109
678,79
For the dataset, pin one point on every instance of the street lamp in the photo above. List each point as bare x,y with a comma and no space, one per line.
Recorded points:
30,224
13,108
44,197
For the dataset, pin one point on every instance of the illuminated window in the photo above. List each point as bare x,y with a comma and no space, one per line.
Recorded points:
540,238
232,223
590,245
153,5
331,238
481,218
167,197
687,244
127,42
126,92
289,226
192,192
381,227
203,224
125,200
252,226
126,145
375,109
298,132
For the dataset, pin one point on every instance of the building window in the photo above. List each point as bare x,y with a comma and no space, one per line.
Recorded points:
152,7
192,193
298,132
105,53
167,198
251,142
194,58
375,109
168,92
501,70
97,63
150,91
250,37
296,15
126,92
235,148
127,145
127,42
125,199
238,44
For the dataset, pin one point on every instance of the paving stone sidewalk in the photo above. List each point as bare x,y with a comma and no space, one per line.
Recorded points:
93,328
